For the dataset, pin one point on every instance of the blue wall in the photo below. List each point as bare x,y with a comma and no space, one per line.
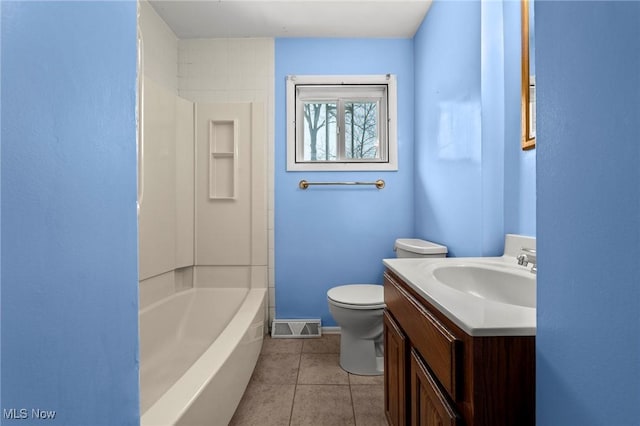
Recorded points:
492,95
519,166
448,131
588,339
338,235
473,183
68,196
464,182
1,208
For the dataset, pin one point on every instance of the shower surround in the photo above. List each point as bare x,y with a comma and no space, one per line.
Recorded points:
203,219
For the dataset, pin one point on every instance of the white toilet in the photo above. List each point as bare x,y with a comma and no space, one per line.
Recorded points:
357,308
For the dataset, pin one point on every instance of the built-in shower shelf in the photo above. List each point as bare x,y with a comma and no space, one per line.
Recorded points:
223,159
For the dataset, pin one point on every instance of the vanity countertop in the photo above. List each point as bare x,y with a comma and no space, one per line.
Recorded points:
475,315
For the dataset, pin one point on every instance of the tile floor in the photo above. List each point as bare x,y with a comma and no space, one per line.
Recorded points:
300,382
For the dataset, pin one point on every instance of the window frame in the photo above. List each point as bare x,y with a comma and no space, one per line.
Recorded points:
334,85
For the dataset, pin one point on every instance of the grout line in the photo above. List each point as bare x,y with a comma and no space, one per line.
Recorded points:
324,384
353,406
295,388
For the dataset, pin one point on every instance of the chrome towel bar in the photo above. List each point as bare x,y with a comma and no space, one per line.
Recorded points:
304,184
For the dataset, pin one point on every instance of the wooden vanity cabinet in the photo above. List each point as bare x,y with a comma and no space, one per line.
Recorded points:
436,374
429,405
395,384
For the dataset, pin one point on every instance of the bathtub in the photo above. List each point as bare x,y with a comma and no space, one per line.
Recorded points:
198,349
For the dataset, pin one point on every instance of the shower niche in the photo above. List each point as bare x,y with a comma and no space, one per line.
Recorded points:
223,167
205,198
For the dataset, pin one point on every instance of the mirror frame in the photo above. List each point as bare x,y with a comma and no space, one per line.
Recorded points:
526,141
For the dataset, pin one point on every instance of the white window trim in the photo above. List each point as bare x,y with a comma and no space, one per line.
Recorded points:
392,155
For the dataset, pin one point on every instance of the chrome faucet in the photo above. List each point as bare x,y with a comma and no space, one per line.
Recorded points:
528,256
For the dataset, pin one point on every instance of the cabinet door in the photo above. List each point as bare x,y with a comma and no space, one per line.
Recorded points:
429,406
438,345
395,385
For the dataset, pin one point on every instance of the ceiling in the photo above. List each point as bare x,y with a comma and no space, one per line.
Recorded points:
292,18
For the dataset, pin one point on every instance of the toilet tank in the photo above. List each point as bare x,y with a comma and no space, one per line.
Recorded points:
413,247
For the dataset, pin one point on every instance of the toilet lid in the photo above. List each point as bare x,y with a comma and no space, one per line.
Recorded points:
370,295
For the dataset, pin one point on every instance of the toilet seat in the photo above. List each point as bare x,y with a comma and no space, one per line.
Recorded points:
357,296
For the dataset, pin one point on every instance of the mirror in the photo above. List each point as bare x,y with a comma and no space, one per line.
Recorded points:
528,98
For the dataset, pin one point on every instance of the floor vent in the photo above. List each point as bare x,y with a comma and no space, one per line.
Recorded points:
296,329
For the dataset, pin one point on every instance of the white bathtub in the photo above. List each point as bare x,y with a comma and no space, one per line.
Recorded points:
198,349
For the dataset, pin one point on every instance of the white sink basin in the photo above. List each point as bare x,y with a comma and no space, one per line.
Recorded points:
497,283
484,296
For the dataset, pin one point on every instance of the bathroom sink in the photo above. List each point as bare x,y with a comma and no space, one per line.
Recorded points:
491,282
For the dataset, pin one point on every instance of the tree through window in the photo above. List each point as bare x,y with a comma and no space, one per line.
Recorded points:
341,123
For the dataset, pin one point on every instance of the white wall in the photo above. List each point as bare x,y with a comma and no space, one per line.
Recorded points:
230,188
157,218
200,71
157,213
160,48
166,215
230,71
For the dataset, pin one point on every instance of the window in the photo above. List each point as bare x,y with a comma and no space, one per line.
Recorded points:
341,123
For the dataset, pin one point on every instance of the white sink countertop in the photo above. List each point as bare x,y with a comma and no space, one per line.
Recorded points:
476,315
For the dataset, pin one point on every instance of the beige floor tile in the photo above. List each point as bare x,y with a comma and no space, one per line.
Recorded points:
325,394
355,379
322,405
264,405
368,404
277,369
327,344
281,346
322,369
